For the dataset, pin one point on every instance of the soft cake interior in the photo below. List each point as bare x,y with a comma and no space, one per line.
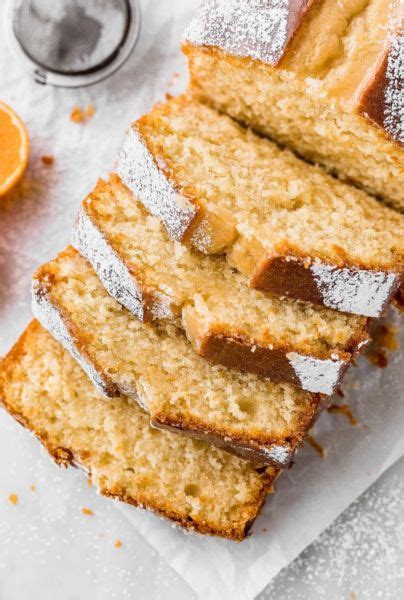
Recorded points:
186,480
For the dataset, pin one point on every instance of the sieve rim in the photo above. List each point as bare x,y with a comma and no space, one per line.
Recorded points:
46,76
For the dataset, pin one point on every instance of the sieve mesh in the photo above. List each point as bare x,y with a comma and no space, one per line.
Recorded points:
71,37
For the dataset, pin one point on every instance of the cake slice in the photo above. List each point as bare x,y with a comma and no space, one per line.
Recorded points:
155,364
323,77
291,227
227,322
197,486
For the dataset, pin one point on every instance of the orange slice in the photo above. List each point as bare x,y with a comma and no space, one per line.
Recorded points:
14,148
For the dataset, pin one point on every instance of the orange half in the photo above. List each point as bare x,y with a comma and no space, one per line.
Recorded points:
14,148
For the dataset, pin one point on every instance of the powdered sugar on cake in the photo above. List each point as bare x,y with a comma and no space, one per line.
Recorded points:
113,273
115,276
140,173
354,290
51,318
393,94
317,375
280,455
259,29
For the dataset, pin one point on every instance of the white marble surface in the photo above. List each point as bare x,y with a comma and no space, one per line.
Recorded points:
48,548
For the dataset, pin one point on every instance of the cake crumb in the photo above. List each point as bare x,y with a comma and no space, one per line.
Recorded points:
77,115
87,511
264,529
90,111
343,409
377,357
48,159
33,488
352,596
118,544
89,482
13,498
385,337
314,444
340,392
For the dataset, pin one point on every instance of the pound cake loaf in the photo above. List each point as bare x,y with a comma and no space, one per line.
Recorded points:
290,227
198,487
227,322
155,364
323,77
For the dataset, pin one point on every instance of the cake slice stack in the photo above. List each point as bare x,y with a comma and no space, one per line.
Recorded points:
289,226
217,291
227,322
155,365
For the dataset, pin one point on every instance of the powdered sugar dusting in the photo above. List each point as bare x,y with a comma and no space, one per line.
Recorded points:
113,273
50,318
359,556
275,454
317,375
281,455
355,290
142,176
393,96
259,29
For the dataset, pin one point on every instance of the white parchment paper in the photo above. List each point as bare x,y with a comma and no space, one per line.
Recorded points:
35,224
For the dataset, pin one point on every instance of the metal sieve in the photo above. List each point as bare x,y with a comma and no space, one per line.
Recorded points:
72,43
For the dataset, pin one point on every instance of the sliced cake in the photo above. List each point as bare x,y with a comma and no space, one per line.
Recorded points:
155,364
227,322
197,486
291,227
322,77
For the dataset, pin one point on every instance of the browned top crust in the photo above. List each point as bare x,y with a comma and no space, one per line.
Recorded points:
260,29
382,99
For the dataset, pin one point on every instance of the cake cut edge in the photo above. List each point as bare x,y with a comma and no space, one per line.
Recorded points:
347,287
65,457
127,286
260,450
